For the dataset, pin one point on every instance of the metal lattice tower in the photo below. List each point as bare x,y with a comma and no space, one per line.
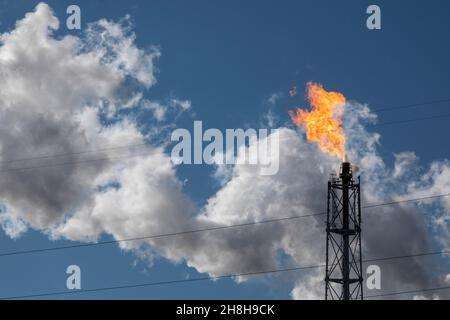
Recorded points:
343,279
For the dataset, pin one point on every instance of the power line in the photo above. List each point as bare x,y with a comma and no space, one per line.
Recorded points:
406,292
227,276
141,145
159,283
75,162
406,106
163,235
137,155
73,153
413,120
433,253
406,200
144,144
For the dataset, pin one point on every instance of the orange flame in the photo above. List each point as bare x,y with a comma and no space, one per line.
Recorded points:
323,122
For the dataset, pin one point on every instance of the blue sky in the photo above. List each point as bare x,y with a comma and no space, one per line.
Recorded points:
228,58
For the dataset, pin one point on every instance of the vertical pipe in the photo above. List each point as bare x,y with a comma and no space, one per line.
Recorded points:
359,238
346,178
328,241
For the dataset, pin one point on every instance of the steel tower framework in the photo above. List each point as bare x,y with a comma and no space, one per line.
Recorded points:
343,279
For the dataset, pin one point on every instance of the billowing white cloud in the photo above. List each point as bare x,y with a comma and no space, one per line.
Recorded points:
53,95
